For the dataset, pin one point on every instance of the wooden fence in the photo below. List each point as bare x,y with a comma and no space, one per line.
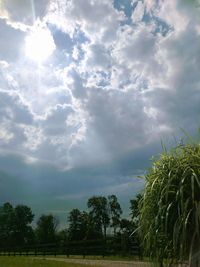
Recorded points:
84,248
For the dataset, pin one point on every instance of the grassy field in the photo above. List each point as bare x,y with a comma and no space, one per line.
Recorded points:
31,262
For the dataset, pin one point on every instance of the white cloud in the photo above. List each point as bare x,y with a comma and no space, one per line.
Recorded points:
21,13
138,12
150,4
177,101
41,87
34,136
118,89
100,104
136,54
55,120
11,42
5,135
115,117
97,57
169,12
13,108
98,19
14,117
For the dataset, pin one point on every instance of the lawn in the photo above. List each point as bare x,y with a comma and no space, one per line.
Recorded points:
31,262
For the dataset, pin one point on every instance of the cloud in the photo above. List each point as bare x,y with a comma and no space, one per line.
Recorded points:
15,116
97,57
45,187
23,11
10,37
122,77
98,20
13,109
138,12
173,15
55,121
136,50
177,103
75,83
41,87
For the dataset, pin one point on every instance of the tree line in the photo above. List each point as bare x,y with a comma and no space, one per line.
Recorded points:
103,214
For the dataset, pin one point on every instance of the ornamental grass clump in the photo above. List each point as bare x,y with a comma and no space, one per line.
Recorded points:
170,207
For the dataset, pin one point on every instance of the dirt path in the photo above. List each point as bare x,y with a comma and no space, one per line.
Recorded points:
105,263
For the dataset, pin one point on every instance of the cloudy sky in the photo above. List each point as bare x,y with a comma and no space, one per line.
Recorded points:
88,89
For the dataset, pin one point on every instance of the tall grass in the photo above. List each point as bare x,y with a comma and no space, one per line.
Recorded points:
170,208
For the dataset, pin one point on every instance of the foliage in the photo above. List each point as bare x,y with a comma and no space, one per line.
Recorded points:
75,225
62,237
105,212
126,226
81,226
23,217
91,226
86,230
135,212
115,212
98,206
170,208
46,229
15,226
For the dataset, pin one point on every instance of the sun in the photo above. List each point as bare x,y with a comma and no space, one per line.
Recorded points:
39,45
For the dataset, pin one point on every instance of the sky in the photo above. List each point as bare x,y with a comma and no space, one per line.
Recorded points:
88,90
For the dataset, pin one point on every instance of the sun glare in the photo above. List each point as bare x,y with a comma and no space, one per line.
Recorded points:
39,45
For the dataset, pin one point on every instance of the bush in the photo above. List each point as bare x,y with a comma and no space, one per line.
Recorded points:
170,208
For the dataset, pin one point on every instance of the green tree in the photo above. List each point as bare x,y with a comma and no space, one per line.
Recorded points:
63,237
170,208
115,212
135,212
15,228
22,231
126,226
75,230
46,229
6,224
98,206
92,230
82,225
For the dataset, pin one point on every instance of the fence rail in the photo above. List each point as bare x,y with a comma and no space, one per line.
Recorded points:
84,248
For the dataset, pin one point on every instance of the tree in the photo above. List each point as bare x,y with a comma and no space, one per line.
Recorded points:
82,226
126,226
15,228
115,212
135,212
23,232
170,207
62,236
6,224
98,206
92,230
46,229
76,229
